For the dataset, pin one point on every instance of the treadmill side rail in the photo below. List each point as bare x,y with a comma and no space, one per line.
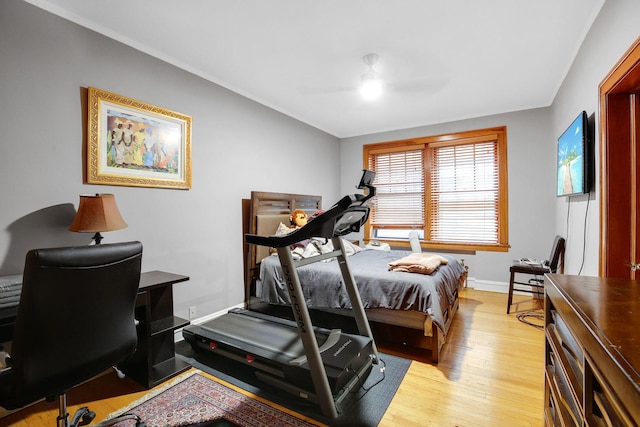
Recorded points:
354,296
305,330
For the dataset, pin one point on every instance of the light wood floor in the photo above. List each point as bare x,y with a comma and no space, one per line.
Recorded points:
490,374
491,371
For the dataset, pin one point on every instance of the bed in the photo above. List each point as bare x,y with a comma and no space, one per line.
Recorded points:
408,308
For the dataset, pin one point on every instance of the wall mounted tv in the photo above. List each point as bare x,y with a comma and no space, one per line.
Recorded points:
575,158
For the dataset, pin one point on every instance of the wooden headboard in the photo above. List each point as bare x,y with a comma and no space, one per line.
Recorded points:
265,212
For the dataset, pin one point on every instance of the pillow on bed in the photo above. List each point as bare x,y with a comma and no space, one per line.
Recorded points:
314,246
283,230
422,263
320,245
351,248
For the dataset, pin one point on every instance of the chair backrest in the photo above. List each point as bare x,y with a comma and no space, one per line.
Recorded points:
557,253
75,318
414,240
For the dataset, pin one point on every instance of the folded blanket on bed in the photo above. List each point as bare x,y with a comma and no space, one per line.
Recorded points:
418,263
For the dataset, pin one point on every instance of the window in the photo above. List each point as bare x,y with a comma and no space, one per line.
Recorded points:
451,189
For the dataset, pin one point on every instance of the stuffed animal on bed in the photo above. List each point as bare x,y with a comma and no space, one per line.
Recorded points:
298,218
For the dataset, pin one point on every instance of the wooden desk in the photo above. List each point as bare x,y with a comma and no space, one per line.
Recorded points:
592,357
154,360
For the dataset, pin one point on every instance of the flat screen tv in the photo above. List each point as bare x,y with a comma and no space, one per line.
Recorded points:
575,158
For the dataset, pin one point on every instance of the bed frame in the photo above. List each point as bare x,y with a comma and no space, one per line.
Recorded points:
262,214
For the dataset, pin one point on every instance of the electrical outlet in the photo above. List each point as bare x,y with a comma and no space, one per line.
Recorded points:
192,312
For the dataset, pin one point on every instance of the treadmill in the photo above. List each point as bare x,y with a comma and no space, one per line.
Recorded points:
314,363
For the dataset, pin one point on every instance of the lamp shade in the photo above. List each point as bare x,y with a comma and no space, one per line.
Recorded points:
97,213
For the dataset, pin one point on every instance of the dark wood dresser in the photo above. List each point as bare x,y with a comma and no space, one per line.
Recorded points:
592,351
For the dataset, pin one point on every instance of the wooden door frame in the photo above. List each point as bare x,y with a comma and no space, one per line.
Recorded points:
619,140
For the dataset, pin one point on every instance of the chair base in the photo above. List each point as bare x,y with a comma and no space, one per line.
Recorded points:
84,416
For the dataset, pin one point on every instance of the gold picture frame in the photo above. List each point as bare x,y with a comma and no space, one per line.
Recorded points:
133,143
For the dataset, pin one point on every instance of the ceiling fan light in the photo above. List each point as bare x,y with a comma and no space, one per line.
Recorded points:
371,86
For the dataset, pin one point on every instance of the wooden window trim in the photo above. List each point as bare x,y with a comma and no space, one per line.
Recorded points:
498,134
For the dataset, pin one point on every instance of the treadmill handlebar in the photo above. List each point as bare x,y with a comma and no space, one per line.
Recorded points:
346,216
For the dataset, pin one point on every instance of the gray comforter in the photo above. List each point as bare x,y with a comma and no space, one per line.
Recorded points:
378,287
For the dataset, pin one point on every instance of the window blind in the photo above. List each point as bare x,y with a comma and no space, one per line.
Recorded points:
463,205
399,182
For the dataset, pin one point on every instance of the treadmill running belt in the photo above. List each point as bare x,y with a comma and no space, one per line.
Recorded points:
271,337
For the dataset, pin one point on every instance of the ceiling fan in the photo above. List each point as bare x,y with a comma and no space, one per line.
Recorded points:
372,83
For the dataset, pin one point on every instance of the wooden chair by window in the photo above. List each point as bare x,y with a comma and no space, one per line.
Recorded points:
535,272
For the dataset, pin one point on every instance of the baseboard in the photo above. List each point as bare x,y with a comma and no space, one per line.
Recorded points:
177,334
488,285
491,286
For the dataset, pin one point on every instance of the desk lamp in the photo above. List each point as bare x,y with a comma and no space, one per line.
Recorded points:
97,213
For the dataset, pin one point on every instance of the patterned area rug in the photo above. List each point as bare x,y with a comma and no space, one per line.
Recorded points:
364,408
195,400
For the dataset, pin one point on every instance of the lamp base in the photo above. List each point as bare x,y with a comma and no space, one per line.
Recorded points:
97,237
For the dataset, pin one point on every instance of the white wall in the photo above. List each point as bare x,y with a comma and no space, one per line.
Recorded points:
613,32
46,64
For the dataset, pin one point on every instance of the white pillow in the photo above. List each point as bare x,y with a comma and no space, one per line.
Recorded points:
283,230
350,248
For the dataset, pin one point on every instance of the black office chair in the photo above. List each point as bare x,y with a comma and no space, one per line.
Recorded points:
75,320
535,285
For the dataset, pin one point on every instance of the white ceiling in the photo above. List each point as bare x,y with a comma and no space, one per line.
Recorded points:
442,60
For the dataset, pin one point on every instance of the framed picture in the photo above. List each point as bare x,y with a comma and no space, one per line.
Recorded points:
136,144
